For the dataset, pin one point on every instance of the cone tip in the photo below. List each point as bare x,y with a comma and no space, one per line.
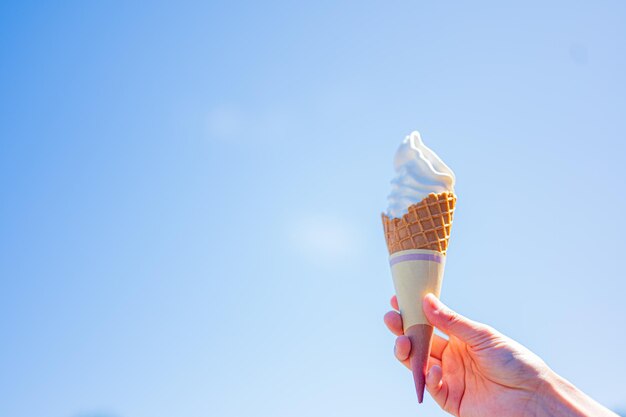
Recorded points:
420,336
420,384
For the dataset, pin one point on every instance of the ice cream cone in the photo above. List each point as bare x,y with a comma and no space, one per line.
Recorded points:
417,245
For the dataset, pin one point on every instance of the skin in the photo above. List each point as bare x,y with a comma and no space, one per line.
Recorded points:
479,372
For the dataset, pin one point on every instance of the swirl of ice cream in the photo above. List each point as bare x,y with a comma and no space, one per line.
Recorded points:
419,172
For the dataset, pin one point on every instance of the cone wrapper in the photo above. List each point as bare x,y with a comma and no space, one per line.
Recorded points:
417,272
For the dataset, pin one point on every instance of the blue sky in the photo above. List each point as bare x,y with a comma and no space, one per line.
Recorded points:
191,196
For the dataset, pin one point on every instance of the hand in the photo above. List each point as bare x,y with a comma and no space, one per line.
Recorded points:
480,372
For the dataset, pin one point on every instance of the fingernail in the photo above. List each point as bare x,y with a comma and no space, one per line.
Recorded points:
430,377
433,377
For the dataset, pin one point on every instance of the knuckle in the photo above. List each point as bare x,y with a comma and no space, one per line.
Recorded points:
488,330
452,318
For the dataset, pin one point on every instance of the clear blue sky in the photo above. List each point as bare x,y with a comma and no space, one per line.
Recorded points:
190,197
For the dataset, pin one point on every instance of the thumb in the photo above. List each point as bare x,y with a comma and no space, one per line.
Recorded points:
454,324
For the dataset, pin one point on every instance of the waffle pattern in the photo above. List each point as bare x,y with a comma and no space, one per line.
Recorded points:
426,226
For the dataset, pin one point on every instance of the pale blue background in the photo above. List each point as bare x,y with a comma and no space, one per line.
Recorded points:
190,197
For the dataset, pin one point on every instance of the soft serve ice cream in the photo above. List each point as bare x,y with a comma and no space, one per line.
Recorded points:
419,172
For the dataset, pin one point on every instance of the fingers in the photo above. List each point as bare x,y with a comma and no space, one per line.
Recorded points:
393,320
439,344
402,350
394,303
436,386
454,324
434,378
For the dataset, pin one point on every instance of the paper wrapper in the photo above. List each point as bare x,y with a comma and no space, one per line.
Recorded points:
416,272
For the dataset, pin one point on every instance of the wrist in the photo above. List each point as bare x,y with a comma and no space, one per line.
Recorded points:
558,397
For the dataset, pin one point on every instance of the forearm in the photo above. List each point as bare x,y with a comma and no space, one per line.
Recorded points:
560,398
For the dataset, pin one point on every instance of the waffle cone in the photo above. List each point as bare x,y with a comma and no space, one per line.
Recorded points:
426,225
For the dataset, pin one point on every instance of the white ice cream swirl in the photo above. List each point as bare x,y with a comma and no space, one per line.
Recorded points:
419,172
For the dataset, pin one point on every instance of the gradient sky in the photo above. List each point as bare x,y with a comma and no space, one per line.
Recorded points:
190,197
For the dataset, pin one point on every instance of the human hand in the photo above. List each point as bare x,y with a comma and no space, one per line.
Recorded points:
480,372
